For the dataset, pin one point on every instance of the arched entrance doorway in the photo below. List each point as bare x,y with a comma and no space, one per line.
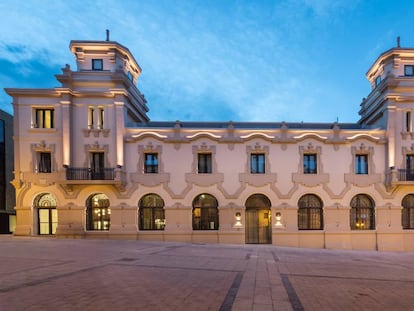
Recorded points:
45,204
258,220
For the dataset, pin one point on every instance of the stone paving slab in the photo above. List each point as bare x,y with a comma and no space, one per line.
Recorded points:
40,273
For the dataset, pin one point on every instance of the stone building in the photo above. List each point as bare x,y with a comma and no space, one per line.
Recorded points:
89,163
7,194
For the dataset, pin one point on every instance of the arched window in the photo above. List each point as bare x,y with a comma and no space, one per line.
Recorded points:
310,213
205,212
98,213
151,212
362,215
45,204
408,212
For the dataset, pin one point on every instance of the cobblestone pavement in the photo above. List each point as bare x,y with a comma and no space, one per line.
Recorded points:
67,274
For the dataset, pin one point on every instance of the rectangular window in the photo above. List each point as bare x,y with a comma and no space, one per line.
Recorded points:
91,112
44,118
45,162
409,70
377,80
408,124
97,64
204,163
361,164
257,163
409,162
100,118
309,164
151,163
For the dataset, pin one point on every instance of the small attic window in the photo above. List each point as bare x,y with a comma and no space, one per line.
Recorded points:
409,70
130,77
377,80
97,64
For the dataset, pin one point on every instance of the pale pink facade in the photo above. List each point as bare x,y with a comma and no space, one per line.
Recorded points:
89,163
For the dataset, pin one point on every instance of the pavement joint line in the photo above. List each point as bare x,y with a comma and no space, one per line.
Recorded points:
275,257
60,262
50,278
349,278
293,297
232,293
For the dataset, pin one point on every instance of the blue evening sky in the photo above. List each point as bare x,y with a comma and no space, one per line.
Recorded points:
215,60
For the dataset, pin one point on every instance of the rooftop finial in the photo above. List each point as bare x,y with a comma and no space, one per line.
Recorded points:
107,35
398,41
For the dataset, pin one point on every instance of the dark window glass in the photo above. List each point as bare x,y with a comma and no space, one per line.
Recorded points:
205,213
45,162
44,118
409,70
361,164
408,124
409,165
151,163
309,164
257,163
151,213
204,163
362,214
408,212
310,213
97,64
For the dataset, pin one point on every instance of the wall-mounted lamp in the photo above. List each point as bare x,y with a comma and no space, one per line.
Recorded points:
238,220
278,219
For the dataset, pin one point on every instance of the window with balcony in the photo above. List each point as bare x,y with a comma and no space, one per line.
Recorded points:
362,213
204,163
361,164
151,212
205,212
151,163
310,213
310,163
44,118
97,64
257,163
408,212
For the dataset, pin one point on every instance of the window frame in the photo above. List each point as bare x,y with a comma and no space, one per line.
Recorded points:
407,212
151,163
97,64
310,167
98,213
150,207
204,163
205,212
44,118
44,165
310,213
363,213
406,67
362,167
257,163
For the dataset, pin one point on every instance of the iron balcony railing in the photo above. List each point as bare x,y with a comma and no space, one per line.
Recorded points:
73,173
405,175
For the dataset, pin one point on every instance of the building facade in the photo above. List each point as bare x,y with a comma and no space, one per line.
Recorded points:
7,194
89,163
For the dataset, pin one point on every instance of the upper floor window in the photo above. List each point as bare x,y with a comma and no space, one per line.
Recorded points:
204,163
408,122
130,77
44,162
361,164
309,163
377,80
97,64
44,118
151,163
96,118
409,70
257,163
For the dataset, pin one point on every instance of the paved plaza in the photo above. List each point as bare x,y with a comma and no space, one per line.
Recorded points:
88,274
